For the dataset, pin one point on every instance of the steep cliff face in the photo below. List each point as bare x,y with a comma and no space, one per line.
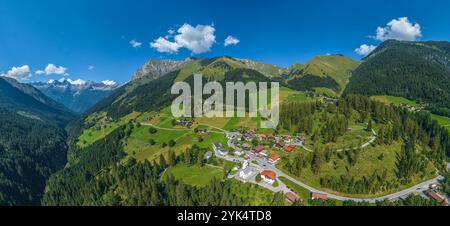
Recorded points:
158,68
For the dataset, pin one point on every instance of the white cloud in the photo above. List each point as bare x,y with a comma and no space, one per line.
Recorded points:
90,67
230,40
198,39
135,43
109,83
399,29
365,49
18,73
163,45
51,69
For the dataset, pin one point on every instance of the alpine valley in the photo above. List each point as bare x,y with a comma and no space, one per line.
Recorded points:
369,132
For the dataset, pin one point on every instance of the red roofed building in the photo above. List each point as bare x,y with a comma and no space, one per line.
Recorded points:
317,196
289,148
258,149
291,197
268,176
433,195
280,145
274,158
262,136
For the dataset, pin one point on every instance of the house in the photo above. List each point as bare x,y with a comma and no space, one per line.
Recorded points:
264,153
218,148
274,158
233,135
291,197
289,148
246,173
286,138
208,155
298,140
435,196
268,176
262,136
238,152
318,196
201,131
249,135
258,149
280,144
246,146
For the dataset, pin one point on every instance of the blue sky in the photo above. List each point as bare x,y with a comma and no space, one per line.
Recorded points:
90,39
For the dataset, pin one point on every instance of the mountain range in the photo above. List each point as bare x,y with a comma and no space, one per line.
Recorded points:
77,95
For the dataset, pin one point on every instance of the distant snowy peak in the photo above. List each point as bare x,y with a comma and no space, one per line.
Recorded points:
78,84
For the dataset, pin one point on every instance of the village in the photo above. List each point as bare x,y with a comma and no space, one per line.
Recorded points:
257,155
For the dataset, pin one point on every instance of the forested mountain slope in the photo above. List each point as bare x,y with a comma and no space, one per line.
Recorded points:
418,71
32,142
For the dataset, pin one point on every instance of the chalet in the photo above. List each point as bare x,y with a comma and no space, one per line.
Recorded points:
218,148
246,146
264,153
298,140
262,136
280,145
258,149
435,196
208,155
287,138
291,197
289,148
268,176
185,123
233,136
274,158
318,196
249,135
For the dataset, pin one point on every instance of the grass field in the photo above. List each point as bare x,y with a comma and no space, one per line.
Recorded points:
299,190
442,120
395,100
102,128
194,175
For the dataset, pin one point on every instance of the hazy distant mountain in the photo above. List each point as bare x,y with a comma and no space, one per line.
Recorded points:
77,95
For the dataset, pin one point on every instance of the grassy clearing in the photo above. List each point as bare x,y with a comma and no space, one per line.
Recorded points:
102,128
442,120
194,175
395,100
